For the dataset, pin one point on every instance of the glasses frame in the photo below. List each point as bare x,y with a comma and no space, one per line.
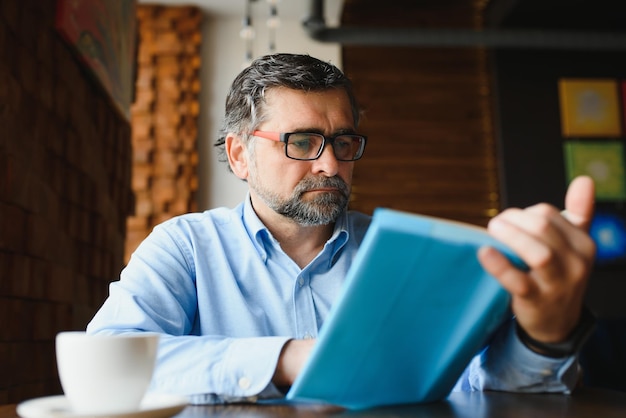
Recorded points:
284,137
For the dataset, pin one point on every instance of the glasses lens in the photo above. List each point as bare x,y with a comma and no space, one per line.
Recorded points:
348,147
304,146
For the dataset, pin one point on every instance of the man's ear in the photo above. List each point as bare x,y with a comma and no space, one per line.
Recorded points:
237,155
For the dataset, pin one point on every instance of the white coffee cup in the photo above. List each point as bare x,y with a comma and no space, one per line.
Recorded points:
105,374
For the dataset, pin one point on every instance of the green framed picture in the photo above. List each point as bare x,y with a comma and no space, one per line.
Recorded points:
601,160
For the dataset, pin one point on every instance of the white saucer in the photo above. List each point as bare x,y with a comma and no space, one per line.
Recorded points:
152,406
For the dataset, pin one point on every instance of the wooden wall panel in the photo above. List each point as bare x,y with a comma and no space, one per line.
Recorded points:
431,147
427,113
165,118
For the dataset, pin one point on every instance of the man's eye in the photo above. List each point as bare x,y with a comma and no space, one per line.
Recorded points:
302,144
343,143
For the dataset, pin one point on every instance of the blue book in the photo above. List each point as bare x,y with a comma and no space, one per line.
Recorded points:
415,308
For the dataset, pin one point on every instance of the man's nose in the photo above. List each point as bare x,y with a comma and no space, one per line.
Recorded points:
327,162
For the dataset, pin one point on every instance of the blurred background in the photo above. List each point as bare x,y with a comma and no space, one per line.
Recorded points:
108,113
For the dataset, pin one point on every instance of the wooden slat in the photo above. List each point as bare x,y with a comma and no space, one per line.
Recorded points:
165,117
427,116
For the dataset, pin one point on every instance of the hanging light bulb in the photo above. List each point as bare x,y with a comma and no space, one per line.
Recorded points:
273,21
248,34
247,31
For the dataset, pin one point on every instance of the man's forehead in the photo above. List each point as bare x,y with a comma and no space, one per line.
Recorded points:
289,110
275,94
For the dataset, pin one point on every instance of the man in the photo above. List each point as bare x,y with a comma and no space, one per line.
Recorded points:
239,295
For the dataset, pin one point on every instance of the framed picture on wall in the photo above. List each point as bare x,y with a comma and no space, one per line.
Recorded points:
608,230
601,160
624,105
589,108
102,33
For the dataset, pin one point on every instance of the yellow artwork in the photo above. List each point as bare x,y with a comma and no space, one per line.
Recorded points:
589,107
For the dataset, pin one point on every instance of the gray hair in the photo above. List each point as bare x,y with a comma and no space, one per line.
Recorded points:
245,104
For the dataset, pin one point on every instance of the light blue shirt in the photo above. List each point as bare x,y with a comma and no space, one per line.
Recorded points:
225,298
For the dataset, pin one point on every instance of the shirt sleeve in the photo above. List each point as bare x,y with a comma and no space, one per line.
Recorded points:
508,365
217,370
157,293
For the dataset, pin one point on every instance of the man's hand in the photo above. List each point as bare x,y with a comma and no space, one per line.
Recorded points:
295,353
546,300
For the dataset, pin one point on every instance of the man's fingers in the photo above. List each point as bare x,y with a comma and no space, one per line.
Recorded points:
579,202
511,278
533,238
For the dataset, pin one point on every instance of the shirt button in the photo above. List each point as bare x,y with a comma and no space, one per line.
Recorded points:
546,372
301,281
307,336
244,383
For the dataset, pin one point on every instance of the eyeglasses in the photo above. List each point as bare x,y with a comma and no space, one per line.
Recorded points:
307,146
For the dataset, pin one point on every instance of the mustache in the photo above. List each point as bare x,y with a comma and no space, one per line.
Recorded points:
312,183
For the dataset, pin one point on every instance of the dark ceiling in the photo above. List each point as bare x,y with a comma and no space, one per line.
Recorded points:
600,15
547,24
596,15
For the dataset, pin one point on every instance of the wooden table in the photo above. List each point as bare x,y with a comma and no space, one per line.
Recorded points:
594,403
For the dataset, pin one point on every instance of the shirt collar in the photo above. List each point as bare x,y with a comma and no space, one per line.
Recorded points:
257,231
339,238
261,236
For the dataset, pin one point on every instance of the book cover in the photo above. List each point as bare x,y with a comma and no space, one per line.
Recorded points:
416,307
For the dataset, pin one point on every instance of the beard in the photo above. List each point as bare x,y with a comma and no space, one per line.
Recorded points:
321,209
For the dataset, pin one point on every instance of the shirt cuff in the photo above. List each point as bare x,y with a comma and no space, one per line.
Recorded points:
508,365
251,364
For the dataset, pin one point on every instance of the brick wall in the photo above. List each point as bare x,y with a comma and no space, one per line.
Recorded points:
64,196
